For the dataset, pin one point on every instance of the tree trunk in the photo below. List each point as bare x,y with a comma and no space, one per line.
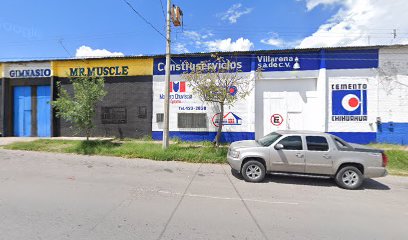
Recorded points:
88,133
220,124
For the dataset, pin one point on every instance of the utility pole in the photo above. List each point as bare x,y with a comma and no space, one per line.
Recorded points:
167,81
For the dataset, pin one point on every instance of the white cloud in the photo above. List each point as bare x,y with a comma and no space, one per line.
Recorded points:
180,48
235,12
277,42
359,22
192,35
203,40
196,36
85,51
273,40
228,45
310,4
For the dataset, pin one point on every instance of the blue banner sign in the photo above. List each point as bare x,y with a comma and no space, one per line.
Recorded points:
269,62
181,65
288,61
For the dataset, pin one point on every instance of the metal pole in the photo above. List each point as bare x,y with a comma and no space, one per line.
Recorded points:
167,82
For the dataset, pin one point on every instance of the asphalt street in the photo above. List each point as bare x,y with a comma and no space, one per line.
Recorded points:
62,196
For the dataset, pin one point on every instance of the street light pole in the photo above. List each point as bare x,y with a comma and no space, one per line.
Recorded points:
167,81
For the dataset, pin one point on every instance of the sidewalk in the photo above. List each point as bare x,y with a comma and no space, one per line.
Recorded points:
9,140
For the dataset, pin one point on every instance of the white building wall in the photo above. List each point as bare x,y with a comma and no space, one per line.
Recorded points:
243,108
392,85
309,99
297,96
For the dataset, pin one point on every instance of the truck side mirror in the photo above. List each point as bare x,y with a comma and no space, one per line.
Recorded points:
279,146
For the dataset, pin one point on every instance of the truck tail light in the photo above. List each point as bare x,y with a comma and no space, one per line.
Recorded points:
384,159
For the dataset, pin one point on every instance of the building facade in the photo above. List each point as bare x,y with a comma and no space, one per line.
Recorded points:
26,95
357,93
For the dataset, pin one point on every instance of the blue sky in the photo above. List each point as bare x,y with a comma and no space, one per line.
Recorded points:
59,29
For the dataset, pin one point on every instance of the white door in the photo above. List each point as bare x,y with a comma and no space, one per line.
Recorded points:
295,121
274,114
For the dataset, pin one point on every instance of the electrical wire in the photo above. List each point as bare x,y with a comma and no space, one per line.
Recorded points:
66,50
164,15
144,19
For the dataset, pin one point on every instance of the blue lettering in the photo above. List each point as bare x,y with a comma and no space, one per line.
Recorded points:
47,72
73,71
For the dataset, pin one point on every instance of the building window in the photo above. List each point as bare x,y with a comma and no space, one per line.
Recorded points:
192,120
142,112
113,115
159,117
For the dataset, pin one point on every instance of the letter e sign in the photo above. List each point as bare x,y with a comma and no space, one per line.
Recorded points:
276,119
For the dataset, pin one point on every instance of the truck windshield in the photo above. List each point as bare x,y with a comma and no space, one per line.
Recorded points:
268,139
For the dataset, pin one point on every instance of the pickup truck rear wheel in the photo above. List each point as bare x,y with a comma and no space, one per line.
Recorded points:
349,177
253,171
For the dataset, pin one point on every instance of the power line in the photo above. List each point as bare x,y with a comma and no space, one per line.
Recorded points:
144,19
66,50
164,15
241,57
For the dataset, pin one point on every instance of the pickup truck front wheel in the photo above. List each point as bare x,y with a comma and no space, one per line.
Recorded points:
349,177
253,171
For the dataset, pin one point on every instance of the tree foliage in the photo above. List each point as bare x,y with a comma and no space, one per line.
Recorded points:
79,109
219,82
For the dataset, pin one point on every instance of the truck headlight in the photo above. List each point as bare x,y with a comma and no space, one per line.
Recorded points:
234,154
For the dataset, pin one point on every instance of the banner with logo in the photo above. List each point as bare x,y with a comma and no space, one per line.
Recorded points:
306,60
352,105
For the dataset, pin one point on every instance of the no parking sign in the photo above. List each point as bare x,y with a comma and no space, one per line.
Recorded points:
276,119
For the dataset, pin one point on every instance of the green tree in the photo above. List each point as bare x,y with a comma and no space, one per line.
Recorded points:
213,80
79,108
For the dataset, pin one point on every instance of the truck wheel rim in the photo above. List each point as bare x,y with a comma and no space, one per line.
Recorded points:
350,178
253,171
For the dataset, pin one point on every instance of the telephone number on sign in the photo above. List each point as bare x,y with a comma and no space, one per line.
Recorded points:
193,108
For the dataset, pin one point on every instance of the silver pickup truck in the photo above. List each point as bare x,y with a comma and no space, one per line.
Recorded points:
304,152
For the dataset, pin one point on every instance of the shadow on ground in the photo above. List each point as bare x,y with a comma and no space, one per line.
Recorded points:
370,184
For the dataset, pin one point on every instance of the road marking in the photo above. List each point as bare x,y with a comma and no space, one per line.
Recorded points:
245,199
226,198
246,206
178,204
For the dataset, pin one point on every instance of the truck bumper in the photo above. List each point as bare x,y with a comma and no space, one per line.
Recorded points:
375,172
235,163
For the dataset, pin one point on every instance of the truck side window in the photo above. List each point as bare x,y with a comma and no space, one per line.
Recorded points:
340,144
292,143
317,143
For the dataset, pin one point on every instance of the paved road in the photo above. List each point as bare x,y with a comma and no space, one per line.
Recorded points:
56,196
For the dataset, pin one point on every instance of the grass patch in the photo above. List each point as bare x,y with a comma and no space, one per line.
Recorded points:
397,158
197,152
201,152
398,162
386,146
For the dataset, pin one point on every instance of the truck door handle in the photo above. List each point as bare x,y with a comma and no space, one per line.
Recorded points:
326,156
299,155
